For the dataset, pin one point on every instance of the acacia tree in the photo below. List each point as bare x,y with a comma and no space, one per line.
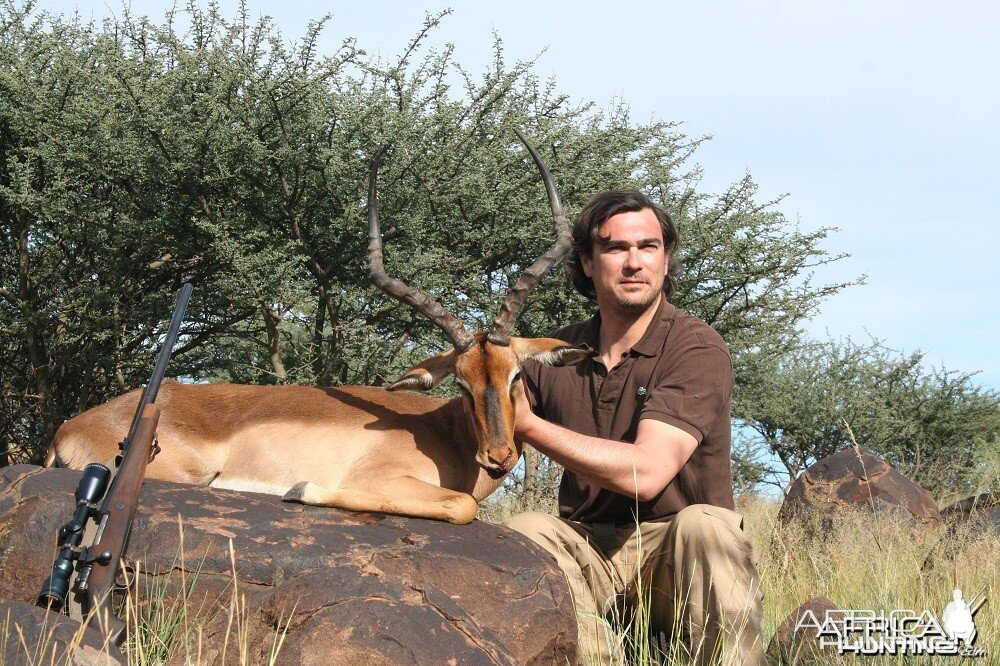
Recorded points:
934,425
103,219
134,156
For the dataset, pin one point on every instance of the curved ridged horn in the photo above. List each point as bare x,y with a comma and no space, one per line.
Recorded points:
447,322
503,324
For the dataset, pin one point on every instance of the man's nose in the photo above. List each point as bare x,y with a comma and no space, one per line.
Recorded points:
633,261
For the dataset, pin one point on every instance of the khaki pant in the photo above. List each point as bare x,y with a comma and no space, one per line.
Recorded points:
697,572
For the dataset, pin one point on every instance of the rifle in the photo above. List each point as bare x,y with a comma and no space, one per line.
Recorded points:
96,565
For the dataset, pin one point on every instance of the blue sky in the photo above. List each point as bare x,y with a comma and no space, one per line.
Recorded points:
882,119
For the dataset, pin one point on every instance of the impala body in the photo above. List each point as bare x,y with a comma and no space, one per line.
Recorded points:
352,447
267,439
273,439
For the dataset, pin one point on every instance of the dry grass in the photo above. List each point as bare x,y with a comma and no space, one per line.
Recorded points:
861,563
165,623
43,650
874,563
162,625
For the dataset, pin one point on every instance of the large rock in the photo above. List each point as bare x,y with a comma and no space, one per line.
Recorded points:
972,518
360,588
31,635
980,515
789,647
860,481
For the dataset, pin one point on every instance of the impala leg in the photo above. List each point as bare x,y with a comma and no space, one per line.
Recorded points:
400,496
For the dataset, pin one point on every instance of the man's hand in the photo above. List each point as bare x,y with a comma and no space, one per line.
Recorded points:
641,469
524,418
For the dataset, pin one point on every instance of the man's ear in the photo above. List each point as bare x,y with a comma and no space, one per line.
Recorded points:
549,351
425,376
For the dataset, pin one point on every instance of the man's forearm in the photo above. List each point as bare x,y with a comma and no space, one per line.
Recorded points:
617,466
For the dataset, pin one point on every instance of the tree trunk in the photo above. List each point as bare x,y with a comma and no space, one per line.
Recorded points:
317,349
530,477
333,356
271,321
38,354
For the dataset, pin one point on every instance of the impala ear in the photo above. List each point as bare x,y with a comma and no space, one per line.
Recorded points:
550,351
426,375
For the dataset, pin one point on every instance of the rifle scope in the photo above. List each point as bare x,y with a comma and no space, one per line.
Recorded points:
93,485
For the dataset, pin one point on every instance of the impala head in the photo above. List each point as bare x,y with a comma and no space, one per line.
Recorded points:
486,366
489,375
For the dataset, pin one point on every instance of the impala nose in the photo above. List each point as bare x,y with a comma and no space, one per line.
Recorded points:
497,461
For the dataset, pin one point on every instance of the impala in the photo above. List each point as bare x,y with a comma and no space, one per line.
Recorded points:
353,447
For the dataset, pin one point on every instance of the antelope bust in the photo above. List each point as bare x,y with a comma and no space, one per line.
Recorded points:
353,447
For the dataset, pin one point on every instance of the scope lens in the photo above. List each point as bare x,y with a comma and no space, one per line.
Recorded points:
54,592
94,482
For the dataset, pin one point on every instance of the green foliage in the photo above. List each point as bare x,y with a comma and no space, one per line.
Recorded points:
934,425
135,156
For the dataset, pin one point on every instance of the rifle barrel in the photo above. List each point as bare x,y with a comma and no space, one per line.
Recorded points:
153,387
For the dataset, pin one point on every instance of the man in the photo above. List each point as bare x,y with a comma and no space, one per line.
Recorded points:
643,432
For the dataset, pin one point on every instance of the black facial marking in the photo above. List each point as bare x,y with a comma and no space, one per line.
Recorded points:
494,417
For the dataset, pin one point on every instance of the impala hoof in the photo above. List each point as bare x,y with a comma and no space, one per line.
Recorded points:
298,493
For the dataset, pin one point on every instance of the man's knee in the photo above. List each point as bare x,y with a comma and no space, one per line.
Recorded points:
545,530
705,524
711,538
535,525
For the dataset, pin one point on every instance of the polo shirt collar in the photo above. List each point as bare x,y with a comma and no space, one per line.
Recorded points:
652,340
591,335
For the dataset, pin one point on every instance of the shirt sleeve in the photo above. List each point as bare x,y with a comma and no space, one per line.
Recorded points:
693,391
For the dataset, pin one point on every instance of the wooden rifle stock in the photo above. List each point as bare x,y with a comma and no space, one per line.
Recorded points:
96,567
118,511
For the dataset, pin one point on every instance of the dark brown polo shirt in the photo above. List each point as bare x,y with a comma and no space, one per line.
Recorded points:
679,373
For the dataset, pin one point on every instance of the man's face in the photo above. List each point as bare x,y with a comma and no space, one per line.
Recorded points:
629,262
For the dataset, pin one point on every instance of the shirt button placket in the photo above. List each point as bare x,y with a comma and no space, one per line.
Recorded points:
610,389
607,400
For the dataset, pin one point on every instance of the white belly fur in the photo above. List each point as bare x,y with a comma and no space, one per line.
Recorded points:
250,486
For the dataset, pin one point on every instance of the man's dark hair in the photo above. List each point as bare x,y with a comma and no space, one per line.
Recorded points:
595,212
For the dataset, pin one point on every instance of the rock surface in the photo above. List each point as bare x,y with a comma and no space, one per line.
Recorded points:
972,518
980,513
860,481
788,646
50,638
359,588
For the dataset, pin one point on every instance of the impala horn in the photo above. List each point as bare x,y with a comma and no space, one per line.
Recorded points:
453,327
503,324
